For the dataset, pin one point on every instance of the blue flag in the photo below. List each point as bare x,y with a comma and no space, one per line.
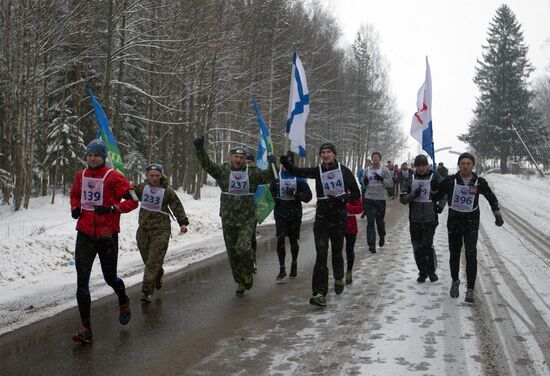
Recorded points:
114,159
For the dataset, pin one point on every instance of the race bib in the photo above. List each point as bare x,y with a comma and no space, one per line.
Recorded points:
371,173
333,182
463,198
238,183
424,186
286,185
152,198
92,191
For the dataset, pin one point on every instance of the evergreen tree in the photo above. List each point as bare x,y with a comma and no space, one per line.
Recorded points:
504,103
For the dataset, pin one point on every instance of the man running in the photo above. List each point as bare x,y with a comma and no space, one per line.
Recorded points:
158,203
95,197
289,192
377,179
462,190
238,182
415,191
332,181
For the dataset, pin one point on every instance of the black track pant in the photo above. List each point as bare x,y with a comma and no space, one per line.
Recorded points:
86,249
325,231
281,251
463,228
422,235
376,211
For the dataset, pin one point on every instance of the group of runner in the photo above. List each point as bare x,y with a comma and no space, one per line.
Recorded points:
100,194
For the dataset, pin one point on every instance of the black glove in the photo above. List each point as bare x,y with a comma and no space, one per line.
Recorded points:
378,177
284,160
199,143
75,213
101,210
434,184
418,192
274,188
271,159
290,191
438,209
498,218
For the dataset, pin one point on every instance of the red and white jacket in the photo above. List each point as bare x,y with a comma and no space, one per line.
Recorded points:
115,187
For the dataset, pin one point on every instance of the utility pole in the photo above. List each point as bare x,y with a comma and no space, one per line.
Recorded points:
528,152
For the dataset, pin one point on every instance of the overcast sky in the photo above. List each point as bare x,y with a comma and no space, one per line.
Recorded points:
450,33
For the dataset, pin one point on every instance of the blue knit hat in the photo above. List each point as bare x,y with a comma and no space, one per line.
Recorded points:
97,147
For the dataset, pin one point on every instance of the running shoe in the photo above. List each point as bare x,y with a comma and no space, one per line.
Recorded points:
84,336
382,241
293,270
469,296
349,278
372,250
240,290
338,286
281,275
433,277
248,281
421,277
125,314
454,289
318,300
146,298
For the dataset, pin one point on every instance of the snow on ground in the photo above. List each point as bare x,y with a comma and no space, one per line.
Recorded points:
37,273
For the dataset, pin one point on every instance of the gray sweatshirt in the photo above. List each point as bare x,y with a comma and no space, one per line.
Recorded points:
376,190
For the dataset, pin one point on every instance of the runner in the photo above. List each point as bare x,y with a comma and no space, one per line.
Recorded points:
332,181
462,190
377,179
352,208
289,193
96,196
159,203
415,191
237,210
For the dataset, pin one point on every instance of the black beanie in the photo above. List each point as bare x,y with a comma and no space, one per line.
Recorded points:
421,160
377,153
466,155
327,145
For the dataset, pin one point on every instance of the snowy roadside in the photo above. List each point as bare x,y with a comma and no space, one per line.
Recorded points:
37,273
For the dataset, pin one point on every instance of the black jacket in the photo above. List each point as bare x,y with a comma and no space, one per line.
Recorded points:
419,212
446,187
329,207
290,208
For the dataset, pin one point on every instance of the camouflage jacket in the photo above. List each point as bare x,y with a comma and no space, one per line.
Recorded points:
171,203
235,209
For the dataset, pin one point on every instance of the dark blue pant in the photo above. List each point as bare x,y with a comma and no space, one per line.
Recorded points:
350,252
376,211
422,236
86,249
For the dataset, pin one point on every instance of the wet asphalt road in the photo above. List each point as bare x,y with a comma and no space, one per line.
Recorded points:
196,308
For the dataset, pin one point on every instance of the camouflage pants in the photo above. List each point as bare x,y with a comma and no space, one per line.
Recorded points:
152,245
238,239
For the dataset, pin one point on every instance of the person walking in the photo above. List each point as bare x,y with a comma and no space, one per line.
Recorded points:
96,203
423,217
377,179
238,182
335,186
289,192
159,202
462,190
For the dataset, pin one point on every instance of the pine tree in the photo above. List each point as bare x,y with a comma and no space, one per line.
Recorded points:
504,103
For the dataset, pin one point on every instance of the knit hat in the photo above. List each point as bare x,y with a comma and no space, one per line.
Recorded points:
327,145
97,147
237,150
466,155
155,167
421,160
376,153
